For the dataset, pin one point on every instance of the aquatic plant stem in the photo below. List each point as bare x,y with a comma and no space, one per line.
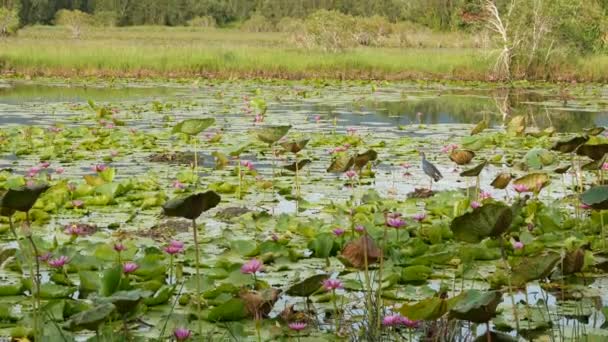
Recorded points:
196,161
368,284
198,277
170,268
506,262
334,300
240,175
12,228
602,233
36,276
380,269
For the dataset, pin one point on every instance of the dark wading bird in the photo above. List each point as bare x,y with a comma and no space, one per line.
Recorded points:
430,170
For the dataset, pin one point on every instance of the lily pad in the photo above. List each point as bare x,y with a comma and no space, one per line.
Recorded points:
490,220
272,134
295,146
567,146
475,171
91,319
363,158
477,306
502,180
595,152
193,126
596,197
533,268
300,165
191,207
533,181
232,310
308,286
462,157
341,164
23,198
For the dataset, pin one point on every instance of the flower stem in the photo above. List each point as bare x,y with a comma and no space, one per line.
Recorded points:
198,277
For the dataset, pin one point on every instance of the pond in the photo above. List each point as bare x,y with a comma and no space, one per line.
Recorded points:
115,153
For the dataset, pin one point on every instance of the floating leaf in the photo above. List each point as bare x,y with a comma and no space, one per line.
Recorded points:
595,152
537,158
517,125
363,158
596,197
23,198
429,309
192,206
126,301
221,160
573,261
355,251
341,164
90,319
295,146
502,180
533,268
300,165
480,127
475,171
462,157
594,131
259,303
533,181
193,126
232,310
567,146
308,286
477,306
322,245
562,170
272,134
490,220
111,280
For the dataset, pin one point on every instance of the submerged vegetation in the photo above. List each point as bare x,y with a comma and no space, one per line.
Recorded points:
229,212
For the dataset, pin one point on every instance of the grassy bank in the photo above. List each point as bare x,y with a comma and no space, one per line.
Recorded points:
154,51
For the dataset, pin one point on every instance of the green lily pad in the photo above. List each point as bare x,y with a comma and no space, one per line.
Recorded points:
341,164
490,220
475,171
308,286
191,207
567,146
23,198
596,197
232,310
533,268
193,126
271,134
363,158
477,306
295,146
90,319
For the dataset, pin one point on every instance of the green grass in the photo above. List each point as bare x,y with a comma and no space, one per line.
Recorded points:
163,51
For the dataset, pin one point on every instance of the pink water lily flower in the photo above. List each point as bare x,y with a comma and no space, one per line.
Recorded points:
332,284
484,195
99,167
119,247
475,204
297,326
420,217
59,262
253,266
351,174
518,245
129,267
338,231
521,188
182,334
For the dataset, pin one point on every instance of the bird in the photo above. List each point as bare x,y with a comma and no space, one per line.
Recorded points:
430,170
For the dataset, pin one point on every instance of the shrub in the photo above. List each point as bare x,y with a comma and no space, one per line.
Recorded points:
75,20
291,25
370,31
105,18
331,30
204,21
9,21
257,23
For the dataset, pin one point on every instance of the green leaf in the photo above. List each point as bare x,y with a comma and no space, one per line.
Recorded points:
567,146
90,319
477,306
428,309
193,126
489,220
232,310
596,197
475,171
322,245
308,286
191,207
341,164
271,134
533,268
595,152
23,198
416,274
111,280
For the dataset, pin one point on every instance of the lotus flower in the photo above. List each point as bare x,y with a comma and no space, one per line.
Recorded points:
520,188
119,247
420,217
332,284
99,167
351,174
129,267
297,326
518,245
59,262
475,204
338,231
253,266
182,334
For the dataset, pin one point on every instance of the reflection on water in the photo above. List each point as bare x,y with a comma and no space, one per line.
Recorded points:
395,105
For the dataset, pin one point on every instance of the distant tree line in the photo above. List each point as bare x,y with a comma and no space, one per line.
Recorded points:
436,14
